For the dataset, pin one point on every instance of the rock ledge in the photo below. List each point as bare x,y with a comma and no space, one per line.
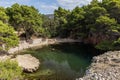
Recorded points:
28,62
104,67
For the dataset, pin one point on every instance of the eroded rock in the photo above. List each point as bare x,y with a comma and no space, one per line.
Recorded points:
28,62
104,67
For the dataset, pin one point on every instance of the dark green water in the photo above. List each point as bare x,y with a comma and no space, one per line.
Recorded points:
66,61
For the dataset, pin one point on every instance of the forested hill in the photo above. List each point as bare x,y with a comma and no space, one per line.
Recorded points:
50,15
97,23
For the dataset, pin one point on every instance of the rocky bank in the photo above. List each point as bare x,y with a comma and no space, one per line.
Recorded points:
27,62
38,42
104,67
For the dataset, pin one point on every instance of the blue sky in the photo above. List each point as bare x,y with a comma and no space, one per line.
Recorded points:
46,6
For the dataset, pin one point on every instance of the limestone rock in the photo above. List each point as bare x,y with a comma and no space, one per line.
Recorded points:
28,62
104,67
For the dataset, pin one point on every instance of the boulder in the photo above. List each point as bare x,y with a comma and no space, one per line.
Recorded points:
28,62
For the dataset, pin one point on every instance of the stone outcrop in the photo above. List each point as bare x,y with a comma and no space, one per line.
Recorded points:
104,67
28,62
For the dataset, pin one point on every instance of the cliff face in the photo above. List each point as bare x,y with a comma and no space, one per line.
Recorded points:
96,38
104,67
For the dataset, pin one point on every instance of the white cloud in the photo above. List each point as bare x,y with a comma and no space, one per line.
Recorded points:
8,3
70,4
45,8
48,7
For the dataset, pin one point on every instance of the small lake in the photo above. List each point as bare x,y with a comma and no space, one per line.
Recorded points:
66,61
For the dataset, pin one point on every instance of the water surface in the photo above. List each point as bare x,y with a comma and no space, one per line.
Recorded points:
66,61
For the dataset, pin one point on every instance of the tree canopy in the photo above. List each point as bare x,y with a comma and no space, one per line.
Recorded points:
8,38
97,23
26,18
3,15
9,70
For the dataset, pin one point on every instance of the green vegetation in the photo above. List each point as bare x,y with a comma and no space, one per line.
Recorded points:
26,19
9,70
3,15
97,23
49,25
7,36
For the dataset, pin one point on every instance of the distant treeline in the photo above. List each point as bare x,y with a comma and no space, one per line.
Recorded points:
97,23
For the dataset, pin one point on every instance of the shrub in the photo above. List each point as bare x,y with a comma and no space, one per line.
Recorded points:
9,70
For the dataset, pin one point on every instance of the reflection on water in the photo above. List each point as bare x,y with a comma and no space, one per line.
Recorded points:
62,70
60,62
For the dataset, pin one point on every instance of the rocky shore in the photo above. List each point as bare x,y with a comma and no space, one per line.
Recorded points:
104,67
27,62
39,42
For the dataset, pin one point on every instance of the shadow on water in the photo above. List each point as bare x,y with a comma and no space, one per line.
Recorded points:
66,61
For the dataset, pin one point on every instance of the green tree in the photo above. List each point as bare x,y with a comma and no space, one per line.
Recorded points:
26,18
93,11
3,15
9,70
113,8
97,23
105,30
76,22
61,16
49,25
7,36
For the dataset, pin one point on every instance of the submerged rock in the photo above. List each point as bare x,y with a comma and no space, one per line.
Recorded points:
104,67
28,62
